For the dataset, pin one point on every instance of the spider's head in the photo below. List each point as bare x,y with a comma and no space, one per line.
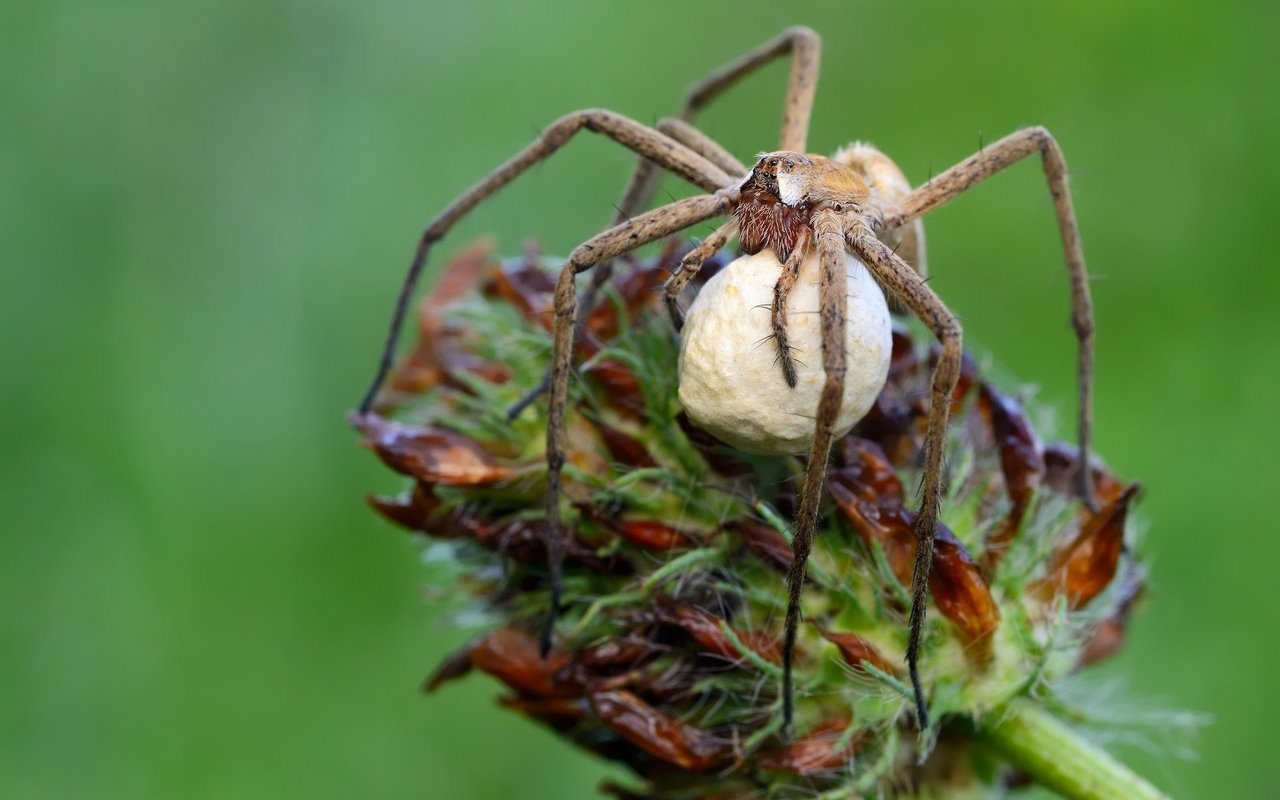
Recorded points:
782,174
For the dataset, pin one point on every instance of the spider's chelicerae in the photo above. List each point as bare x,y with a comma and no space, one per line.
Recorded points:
795,204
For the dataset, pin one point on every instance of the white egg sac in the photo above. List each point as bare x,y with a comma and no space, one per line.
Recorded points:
731,381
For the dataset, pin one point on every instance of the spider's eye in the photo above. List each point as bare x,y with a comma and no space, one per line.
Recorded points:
773,162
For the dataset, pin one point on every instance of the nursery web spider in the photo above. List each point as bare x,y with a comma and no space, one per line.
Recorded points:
794,203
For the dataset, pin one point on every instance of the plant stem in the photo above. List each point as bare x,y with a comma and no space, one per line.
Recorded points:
1038,743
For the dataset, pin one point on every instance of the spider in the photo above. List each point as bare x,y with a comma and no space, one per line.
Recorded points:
796,204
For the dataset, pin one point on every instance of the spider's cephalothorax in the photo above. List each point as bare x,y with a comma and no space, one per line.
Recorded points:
779,197
792,203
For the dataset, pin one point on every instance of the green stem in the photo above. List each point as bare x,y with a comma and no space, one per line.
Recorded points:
1038,743
681,562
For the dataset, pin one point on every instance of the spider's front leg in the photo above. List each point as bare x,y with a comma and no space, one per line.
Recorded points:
645,180
896,276
620,239
802,44
832,306
648,143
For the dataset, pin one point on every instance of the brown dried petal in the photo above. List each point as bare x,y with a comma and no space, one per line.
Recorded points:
1021,459
1021,463
866,464
652,535
459,278
1085,567
621,651
528,287
706,628
1109,636
636,288
433,455
625,449
959,588
439,354
766,543
557,712
855,651
512,656
659,734
903,360
1061,460
526,541
412,512
647,534
454,357
815,753
867,490
716,453
453,666
621,387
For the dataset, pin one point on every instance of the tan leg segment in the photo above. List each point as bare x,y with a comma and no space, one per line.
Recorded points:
832,307
982,165
620,239
778,317
648,143
805,48
697,141
689,267
896,276
645,181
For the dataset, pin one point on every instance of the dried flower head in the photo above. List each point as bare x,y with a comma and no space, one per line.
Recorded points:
668,658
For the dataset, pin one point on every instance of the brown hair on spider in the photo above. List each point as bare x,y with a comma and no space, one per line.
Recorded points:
779,197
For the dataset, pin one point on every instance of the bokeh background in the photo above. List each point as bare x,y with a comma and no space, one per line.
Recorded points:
205,210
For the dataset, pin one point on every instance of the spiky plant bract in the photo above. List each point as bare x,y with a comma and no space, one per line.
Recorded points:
666,657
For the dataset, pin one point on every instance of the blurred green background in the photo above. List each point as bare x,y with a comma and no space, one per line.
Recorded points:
205,210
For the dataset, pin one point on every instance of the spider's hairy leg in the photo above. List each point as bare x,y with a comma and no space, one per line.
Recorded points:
620,239
686,134
643,140
803,45
897,277
832,309
644,182
982,165
778,314
689,267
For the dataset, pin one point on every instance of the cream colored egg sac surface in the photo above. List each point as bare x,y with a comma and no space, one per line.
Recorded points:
731,382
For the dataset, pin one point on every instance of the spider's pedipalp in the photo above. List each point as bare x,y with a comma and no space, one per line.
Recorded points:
778,312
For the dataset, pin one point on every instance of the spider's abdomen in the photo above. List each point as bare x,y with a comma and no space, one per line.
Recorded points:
764,221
